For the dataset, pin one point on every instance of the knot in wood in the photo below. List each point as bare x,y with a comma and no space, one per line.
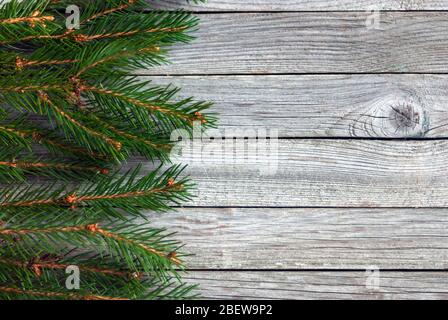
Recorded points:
404,117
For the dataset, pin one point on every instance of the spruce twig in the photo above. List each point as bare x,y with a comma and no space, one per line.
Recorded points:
96,116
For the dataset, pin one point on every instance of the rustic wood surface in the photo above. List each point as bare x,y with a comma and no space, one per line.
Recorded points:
310,238
358,177
304,5
318,173
314,42
320,285
316,106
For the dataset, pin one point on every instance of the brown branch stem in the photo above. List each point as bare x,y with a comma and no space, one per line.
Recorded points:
43,165
109,11
35,266
49,294
115,56
45,98
80,37
73,199
23,89
94,229
21,63
131,136
32,21
38,138
133,101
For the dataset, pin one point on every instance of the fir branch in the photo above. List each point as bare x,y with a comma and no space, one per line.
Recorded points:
54,146
31,88
136,102
133,99
34,19
100,275
141,249
95,230
124,192
28,134
97,118
47,294
21,63
120,7
45,99
152,146
116,56
17,170
80,37
67,34
36,266
25,18
9,135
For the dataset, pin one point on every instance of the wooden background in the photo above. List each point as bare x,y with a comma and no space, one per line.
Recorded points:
362,153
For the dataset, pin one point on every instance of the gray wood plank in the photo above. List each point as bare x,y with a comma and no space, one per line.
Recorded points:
286,238
320,285
338,42
380,106
304,5
321,106
318,173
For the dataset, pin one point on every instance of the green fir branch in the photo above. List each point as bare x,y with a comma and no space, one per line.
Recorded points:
96,115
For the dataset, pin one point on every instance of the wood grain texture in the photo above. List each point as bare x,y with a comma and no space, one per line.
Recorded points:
304,5
318,173
384,106
320,285
337,42
286,238
290,173
320,106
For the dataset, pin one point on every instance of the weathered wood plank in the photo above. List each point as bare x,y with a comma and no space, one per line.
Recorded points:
304,5
386,106
285,238
320,285
319,173
259,43
321,106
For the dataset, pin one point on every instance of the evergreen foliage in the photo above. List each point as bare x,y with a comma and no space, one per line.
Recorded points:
73,112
